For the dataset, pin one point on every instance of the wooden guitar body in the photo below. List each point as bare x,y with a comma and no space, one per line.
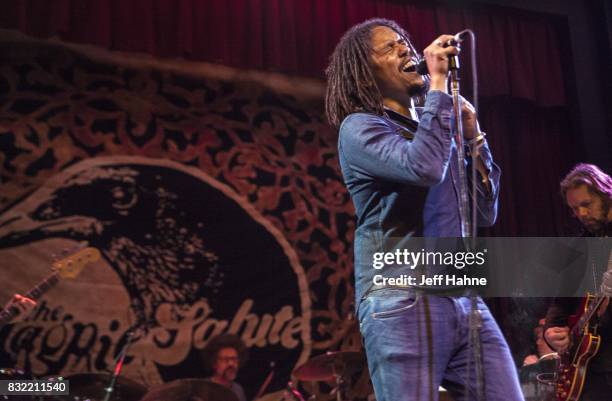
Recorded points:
584,345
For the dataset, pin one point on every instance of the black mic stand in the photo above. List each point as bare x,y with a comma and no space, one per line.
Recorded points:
466,226
119,365
467,231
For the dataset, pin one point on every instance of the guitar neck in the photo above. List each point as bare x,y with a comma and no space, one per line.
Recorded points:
8,314
599,300
586,318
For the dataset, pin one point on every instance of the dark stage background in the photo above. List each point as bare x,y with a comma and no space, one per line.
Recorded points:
214,191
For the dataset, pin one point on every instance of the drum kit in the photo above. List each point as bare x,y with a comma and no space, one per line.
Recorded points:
336,367
14,374
538,379
95,387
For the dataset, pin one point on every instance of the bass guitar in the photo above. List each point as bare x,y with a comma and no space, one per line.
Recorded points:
68,267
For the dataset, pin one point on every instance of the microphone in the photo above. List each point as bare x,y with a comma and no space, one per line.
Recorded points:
421,67
457,38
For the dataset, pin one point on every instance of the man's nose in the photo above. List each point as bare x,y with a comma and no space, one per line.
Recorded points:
582,212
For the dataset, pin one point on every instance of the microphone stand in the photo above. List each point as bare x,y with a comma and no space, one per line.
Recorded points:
467,231
119,365
466,226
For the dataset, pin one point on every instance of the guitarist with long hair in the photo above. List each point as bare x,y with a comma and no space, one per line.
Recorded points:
587,191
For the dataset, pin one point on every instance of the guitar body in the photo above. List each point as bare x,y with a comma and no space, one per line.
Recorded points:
573,365
572,372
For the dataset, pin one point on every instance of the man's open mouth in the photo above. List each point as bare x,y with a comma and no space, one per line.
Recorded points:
410,67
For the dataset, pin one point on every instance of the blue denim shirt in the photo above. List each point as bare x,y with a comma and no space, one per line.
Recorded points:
402,188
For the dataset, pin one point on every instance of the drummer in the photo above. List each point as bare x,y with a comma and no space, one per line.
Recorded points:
223,357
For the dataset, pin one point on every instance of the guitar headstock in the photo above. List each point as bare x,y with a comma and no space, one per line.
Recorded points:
71,266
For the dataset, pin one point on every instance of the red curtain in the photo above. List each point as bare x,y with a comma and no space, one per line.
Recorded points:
535,147
520,61
518,51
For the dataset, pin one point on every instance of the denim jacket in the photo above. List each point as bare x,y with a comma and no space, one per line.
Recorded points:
406,187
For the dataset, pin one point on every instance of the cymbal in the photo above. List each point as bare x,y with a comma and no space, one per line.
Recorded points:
323,367
14,374
190,389
93,386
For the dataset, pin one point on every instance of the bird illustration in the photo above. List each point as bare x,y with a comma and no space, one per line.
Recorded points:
175,237
172,234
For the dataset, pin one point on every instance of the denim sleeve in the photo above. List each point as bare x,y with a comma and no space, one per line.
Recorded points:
373,149
487,198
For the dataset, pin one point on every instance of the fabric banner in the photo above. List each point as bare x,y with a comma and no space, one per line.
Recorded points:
217,206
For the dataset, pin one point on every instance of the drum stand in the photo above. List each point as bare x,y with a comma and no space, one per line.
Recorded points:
341,383
118,366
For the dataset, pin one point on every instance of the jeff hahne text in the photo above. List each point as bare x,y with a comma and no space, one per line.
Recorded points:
411,260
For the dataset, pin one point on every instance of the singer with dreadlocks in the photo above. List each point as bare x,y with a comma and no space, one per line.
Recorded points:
399,164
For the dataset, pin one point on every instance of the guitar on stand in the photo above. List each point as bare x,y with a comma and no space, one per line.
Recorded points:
584,345
68,268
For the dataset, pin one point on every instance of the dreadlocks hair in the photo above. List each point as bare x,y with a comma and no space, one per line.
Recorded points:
209,354
590,175
350,82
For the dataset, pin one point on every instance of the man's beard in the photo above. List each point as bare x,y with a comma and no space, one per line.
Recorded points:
229,374
419,90
598,226
594,225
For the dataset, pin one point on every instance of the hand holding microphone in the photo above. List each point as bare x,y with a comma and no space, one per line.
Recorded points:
436,57
421,67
